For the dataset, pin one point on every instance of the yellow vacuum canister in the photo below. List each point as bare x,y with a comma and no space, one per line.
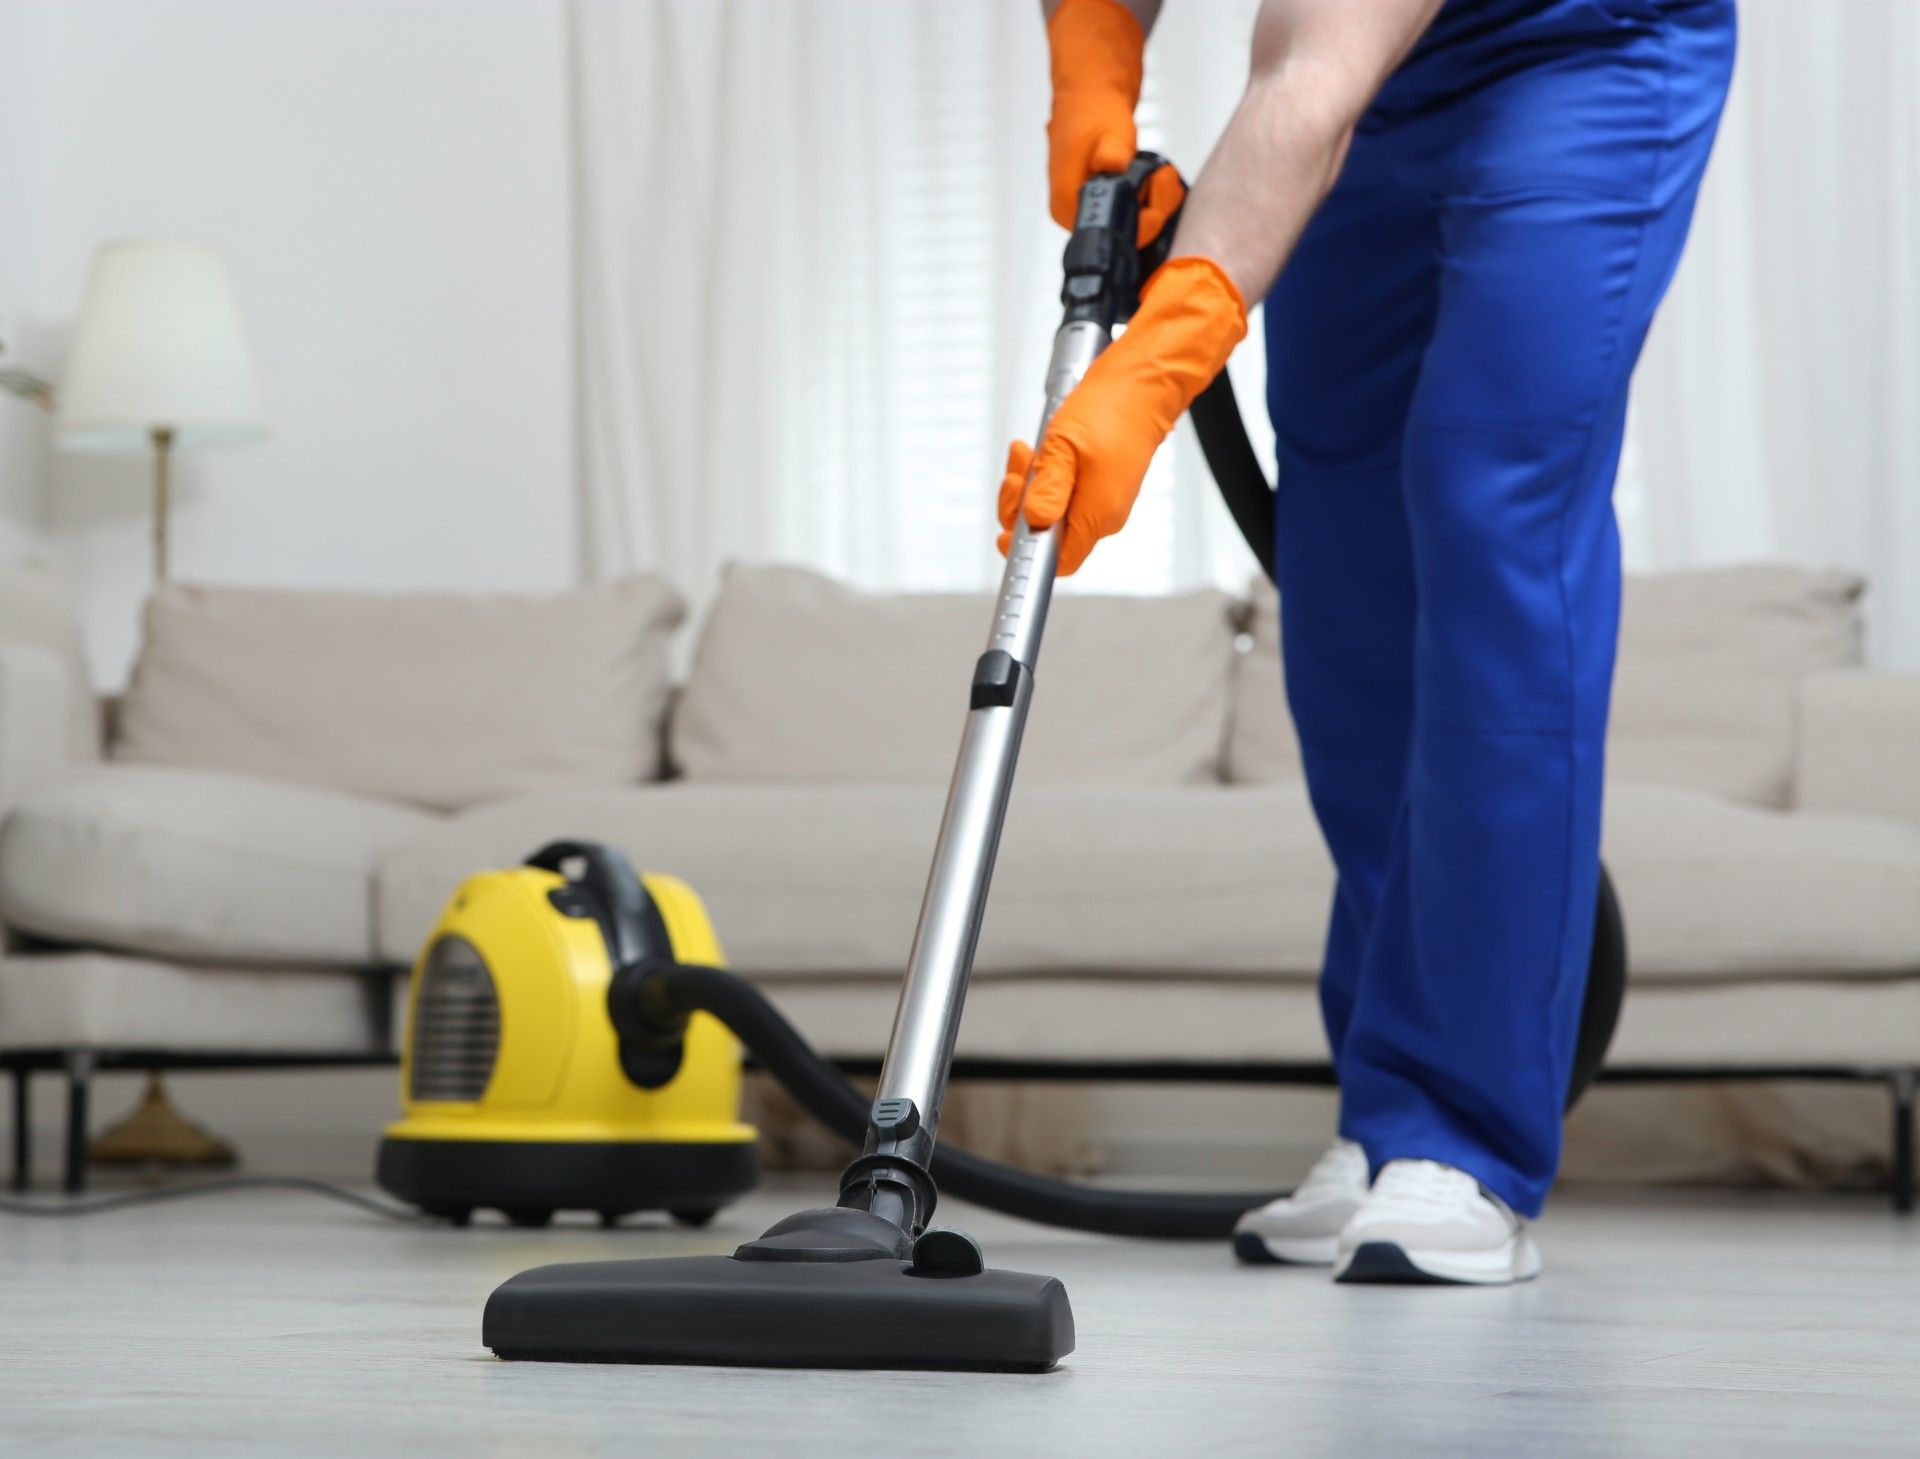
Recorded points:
512,1091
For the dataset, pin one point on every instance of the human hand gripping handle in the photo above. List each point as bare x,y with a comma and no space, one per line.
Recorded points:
1098,445
1095,50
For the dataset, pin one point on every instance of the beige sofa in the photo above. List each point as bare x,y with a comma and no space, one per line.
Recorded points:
296,781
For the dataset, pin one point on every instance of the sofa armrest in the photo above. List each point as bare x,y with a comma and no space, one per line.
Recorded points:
35,701
1859,744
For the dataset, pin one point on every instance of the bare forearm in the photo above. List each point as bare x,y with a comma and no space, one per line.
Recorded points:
1316,64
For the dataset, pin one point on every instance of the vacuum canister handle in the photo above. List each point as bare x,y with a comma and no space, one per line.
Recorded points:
629,921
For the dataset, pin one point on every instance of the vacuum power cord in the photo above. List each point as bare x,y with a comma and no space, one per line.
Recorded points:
100,1205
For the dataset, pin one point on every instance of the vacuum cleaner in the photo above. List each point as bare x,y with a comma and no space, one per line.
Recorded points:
870,1282
514,1095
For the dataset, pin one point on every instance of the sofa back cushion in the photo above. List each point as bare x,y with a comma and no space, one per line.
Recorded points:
1703,696
1709,672
800,679
438,699
37,607
1261,746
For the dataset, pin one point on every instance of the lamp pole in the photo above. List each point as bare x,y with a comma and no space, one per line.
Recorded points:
162,437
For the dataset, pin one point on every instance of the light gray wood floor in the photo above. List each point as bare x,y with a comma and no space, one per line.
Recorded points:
1665,1324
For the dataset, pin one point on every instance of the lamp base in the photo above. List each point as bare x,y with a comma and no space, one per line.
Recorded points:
156,1133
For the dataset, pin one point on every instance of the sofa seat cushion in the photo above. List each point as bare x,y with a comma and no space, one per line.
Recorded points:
798,678
1781,1022
819,879
199,864
1713,888
808,880
107,1000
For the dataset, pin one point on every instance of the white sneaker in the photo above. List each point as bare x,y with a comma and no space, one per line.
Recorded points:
1302,1228
1428,1222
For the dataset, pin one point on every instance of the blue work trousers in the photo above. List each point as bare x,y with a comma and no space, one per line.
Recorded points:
1448,354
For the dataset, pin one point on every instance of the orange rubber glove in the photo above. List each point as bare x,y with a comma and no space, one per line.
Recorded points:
1096,48
1100,442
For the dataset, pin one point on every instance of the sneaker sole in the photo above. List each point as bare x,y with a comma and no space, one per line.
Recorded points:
1256,1250
1387,1263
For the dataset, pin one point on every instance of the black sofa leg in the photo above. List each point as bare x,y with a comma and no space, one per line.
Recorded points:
79,1083
1901,1083
22,1127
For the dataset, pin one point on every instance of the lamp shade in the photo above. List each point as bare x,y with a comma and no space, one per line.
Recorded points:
159,345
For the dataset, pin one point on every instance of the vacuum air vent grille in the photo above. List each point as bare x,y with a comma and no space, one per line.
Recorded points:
456,1025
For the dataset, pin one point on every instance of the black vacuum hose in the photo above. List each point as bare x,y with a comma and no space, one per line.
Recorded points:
651,1000
660,988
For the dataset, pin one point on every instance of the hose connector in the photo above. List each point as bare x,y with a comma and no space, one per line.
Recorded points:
651,1028
890,1177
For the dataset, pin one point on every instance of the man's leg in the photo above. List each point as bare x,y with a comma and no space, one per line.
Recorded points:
1468,1000
1346,326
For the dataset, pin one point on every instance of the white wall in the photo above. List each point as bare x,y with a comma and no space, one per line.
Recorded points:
389,184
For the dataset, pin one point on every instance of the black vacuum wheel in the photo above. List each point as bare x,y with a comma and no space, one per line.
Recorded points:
1606,990
694,1216
528,1217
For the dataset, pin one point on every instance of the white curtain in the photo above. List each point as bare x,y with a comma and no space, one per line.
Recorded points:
755,178
815,285
1777,408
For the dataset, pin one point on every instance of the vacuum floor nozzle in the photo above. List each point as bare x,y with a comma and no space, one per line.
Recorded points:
875,1312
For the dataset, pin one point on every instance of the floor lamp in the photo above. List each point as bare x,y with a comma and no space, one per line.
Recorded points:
159,363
